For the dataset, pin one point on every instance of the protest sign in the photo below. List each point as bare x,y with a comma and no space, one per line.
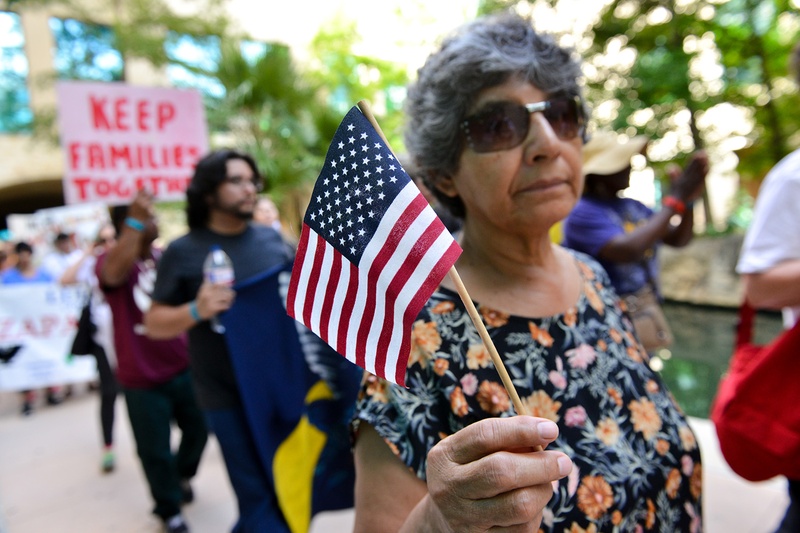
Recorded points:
118,138
37,325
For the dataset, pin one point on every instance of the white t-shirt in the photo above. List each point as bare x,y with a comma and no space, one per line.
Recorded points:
774,234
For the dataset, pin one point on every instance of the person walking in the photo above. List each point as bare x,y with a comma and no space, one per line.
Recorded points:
153,374
95,336
769,262
220,200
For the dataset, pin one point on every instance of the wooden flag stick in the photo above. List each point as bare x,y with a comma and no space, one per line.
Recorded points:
487,341
462,292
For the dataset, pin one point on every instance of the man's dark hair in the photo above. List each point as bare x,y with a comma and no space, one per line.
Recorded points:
23,246
209,173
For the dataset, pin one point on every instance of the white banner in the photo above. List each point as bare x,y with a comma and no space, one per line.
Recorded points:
37,326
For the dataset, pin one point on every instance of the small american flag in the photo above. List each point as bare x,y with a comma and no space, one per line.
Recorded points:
371,253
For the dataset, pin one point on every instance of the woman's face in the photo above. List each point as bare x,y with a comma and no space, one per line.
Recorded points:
530,186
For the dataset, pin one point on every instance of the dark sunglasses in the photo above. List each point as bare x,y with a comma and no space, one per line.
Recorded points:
504,125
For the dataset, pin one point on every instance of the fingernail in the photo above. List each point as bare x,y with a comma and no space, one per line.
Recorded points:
564,465
548,430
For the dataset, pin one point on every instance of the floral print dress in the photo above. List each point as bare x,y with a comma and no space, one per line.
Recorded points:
636,461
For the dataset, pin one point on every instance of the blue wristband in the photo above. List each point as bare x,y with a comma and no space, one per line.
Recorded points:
193,311
134,224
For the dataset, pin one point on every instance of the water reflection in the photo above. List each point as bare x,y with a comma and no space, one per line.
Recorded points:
703,344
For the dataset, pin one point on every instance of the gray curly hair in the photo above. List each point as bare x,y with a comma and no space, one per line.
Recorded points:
481,54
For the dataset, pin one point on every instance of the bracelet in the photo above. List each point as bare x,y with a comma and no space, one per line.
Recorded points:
677,205
193,311
134,224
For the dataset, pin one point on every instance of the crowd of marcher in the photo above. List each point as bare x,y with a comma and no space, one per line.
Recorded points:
498,137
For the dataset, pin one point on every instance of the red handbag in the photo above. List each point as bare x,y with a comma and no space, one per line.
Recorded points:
756,411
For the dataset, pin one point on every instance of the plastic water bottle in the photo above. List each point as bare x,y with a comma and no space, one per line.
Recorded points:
218,269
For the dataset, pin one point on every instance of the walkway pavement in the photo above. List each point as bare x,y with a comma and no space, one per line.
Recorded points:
50,481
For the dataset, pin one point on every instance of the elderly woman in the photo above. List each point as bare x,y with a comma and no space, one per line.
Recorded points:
496,125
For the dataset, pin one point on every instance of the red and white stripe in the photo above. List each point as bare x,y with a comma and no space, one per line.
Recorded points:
366,311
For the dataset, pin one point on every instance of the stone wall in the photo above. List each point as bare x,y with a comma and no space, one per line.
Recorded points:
703,272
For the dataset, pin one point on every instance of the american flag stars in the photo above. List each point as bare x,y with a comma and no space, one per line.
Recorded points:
371,252
360,181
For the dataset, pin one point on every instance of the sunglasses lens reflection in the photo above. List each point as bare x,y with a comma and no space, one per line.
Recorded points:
505,125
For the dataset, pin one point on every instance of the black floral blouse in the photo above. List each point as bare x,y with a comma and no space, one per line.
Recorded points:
637,462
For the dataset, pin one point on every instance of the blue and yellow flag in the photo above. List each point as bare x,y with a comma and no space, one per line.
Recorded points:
298,395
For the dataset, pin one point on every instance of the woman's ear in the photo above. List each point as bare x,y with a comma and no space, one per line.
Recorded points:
446,186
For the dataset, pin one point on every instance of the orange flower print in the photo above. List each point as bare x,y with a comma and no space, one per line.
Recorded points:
634,353
442,308
540,404
662,447
393,447
616,336
425,340
575,528
377,388
615,395
673,483
607,431
493,398
688,440
458,403
652,386
602,346
650,521
440,366
493,318
588,273
539,335
478,357
595,496
594,298
571,316
696,482
645,418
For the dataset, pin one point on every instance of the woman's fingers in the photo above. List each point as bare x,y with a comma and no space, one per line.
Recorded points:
487,474
498,434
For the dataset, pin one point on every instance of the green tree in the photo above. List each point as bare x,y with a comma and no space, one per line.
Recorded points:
659,66
755,38
345,78
264,104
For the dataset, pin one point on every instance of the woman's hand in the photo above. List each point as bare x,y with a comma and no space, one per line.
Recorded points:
488,475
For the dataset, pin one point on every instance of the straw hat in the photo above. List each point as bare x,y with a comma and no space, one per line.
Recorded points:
606,153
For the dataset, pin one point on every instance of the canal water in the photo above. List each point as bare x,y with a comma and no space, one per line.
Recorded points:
704,337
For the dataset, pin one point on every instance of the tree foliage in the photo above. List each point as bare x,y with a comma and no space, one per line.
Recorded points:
676,70
265,104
